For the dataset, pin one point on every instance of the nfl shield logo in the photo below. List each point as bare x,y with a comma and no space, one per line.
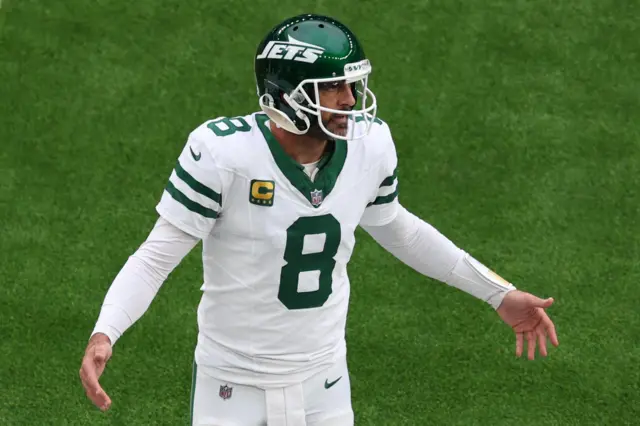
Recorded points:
225,392
316,197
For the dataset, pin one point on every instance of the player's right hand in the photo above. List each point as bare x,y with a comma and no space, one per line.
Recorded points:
95,359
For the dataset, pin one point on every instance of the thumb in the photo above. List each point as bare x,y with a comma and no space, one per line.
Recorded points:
100,355
540,303
102,352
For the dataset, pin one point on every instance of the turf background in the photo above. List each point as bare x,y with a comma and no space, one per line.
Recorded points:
517,129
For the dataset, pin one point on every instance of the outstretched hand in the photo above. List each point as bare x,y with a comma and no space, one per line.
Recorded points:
525,314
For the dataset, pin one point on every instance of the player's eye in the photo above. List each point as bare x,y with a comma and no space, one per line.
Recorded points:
330,85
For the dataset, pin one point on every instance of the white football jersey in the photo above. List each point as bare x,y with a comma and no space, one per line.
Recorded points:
276,244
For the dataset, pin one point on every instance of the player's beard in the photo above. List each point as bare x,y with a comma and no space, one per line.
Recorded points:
338,126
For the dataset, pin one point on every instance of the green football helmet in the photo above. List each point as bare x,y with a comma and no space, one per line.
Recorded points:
299,54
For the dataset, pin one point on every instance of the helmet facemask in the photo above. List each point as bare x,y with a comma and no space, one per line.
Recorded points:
301,108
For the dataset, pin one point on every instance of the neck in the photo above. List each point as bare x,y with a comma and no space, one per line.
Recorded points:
302,148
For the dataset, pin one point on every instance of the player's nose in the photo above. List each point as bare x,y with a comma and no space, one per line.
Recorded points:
346,98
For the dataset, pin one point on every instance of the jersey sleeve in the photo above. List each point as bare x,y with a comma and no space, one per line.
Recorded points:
383,207
192,199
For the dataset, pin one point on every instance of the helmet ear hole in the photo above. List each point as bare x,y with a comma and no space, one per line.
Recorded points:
298,98
283,104
281,119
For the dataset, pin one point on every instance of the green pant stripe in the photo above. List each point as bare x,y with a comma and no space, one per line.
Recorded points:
197,186
188,203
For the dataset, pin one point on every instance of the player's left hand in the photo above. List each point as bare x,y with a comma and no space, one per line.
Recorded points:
525,314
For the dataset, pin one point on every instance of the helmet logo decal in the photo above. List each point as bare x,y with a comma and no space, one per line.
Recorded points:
292,50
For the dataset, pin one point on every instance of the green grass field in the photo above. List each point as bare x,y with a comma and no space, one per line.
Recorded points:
517,128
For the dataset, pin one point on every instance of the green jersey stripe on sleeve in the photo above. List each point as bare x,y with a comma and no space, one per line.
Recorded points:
389,180
188,203
384,199
195,185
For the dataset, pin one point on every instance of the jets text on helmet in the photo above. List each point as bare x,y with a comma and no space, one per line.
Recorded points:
292,50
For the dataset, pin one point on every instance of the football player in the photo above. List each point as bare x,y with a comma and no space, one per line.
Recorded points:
275,197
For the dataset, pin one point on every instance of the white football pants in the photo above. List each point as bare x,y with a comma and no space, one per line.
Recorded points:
322,400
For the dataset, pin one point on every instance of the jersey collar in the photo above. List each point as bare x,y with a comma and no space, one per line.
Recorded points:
329,167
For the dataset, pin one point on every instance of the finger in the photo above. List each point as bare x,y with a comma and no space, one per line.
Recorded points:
91,385
95,392
549,328
542,341
551,332
97,396
531,345
102,400
519,344
88,374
